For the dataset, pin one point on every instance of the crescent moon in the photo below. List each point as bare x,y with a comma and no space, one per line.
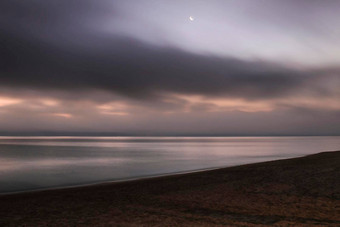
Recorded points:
191,18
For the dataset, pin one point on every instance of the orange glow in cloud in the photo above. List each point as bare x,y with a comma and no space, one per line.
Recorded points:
314,103
116,108
115,113
64,115
5,101
225,104
49,102
235,104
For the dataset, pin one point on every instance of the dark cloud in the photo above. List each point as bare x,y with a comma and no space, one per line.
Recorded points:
135,69
119,64
37,16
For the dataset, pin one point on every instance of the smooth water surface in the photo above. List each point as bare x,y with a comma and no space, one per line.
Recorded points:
29,163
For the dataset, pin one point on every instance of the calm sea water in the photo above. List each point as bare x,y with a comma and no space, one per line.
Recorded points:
29,163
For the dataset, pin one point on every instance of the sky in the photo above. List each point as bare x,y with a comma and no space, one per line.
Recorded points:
128,67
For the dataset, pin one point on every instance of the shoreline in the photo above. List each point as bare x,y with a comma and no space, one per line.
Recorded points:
302,191
133,179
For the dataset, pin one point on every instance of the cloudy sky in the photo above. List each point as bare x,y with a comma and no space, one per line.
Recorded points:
128,67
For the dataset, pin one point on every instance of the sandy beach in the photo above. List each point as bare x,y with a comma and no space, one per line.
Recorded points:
169,113
300,191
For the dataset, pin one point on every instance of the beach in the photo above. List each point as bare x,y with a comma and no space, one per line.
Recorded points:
299,191
169,113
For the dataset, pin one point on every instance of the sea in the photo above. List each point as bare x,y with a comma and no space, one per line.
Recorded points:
39,163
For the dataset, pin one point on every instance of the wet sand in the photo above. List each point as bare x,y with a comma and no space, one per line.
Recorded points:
301,192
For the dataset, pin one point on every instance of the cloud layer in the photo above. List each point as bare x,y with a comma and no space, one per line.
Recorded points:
61,67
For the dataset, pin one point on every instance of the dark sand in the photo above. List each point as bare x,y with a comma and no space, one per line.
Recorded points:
299,192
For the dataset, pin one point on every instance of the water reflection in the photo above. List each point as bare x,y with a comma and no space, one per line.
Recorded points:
28,163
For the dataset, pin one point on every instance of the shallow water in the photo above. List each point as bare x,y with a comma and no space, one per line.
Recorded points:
29,163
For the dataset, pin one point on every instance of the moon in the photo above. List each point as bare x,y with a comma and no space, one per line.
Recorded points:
191,18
